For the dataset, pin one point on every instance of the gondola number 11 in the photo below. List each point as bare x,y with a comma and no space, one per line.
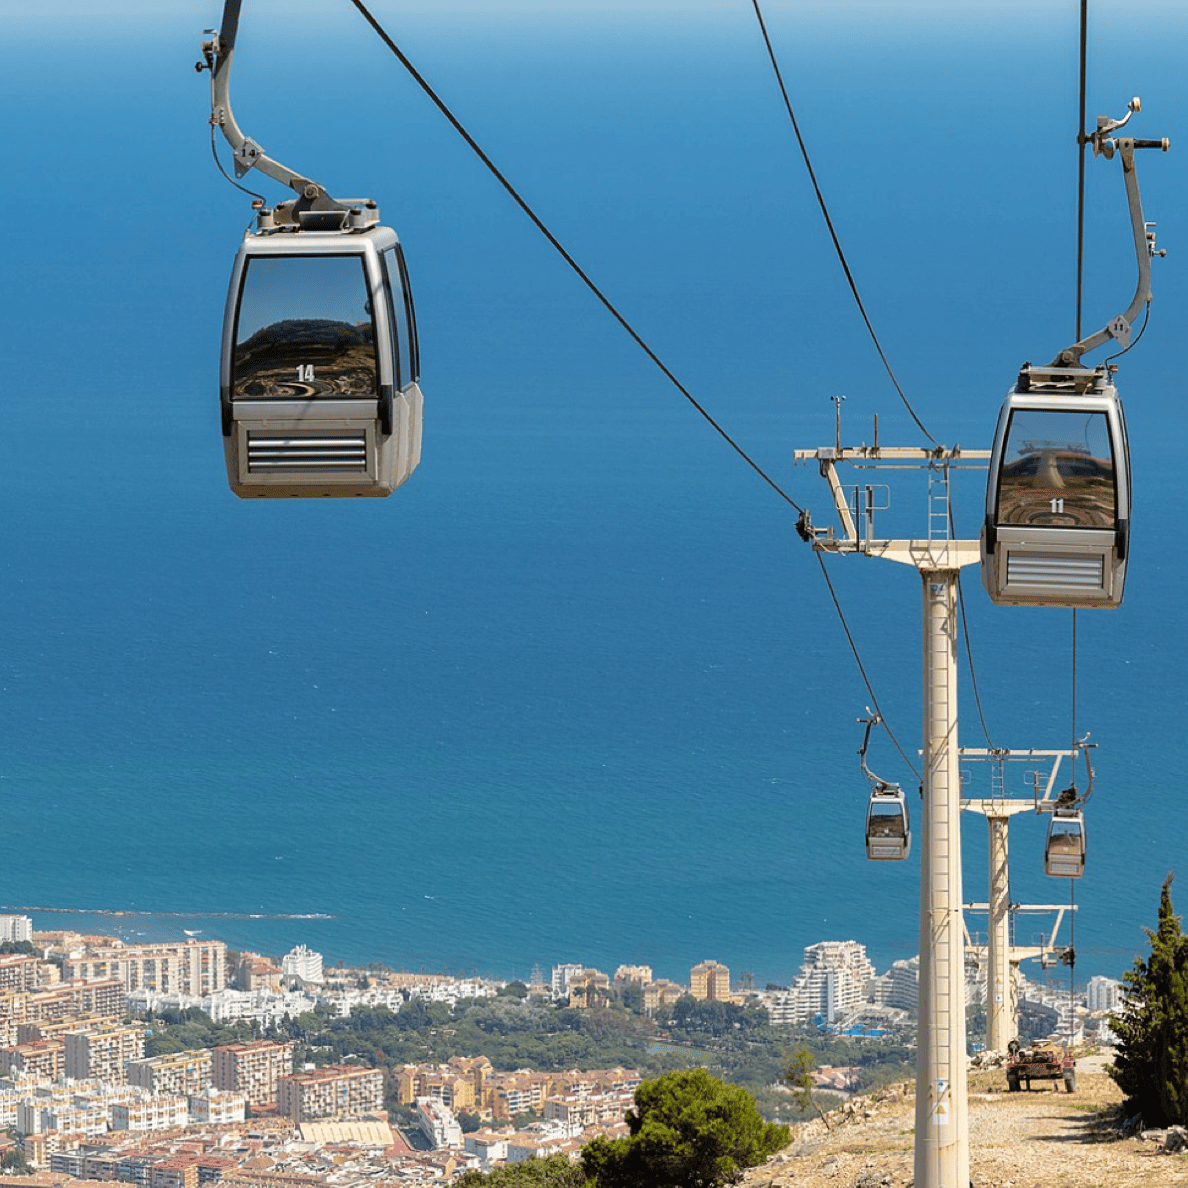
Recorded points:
305,375
1057,504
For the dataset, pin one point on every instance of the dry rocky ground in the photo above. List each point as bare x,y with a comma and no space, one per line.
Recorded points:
1037,1139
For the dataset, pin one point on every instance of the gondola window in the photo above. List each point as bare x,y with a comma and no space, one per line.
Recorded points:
1058,470
305,330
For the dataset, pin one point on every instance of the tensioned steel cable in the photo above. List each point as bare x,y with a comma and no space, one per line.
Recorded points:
973,676
557,245
1082,144
1074,676
837,247
589,283
861,667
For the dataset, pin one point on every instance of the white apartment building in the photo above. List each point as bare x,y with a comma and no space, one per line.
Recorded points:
832,981
226,1005
562,976
903,985
1104,994
161,1112
302,962
16,928
214,1108
438,1124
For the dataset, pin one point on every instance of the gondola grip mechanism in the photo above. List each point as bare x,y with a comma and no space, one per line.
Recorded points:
1119,327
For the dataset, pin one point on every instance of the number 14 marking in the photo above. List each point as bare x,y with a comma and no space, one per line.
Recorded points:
305,375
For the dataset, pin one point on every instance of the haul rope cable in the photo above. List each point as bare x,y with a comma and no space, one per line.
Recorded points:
886,364
614,312
556,243
829,224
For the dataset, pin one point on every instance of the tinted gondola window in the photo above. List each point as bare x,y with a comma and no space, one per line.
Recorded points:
403,318
304,330
1057,470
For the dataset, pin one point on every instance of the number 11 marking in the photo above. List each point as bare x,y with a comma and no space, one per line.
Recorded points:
1057,504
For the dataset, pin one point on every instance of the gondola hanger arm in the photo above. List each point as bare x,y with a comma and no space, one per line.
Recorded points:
1104,144
878,785
218,52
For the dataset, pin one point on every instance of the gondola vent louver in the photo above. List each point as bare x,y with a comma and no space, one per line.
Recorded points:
281,455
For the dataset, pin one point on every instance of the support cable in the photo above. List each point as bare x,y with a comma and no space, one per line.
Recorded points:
861,667
573,264
1074,677
965,631
1082,143
1071,956
614,312
837,247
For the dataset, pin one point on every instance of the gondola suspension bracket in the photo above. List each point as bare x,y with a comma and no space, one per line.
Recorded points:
1105,145
319,378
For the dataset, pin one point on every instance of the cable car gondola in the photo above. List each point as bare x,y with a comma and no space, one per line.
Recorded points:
888,826
1057,526
1064,851
318,386
1058,503
319,377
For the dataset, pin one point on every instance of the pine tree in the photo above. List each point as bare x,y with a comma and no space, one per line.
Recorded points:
1151,1064
688,1130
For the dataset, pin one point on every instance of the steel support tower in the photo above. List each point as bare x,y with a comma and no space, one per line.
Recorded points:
942,1107
1001,955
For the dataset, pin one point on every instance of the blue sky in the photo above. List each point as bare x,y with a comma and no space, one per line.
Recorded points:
650,138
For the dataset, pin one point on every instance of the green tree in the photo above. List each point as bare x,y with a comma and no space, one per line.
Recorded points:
1151,1064
14,1161
554,1172
688,1130
798,1076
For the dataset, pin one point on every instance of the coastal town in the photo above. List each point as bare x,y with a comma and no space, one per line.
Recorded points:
80,1099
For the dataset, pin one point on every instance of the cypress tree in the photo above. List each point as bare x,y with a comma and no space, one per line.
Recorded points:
1151,1063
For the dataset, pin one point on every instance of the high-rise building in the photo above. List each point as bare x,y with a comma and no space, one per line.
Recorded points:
339,1091
710,980
633,975
252,1069
303,963
179,1074
192,967
16,928
832,980
1104,994
562,976
903,988
19,973
102,1055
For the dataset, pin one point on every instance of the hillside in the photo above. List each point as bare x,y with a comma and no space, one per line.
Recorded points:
1040,1139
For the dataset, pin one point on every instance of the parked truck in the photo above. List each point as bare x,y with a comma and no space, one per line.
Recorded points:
1039,1064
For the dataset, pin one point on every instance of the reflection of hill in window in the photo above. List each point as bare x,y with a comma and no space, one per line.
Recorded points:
269,365
1081,487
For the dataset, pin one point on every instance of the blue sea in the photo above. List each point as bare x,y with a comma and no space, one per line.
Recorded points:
577,692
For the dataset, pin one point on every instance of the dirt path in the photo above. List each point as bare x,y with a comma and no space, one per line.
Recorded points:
1040,1139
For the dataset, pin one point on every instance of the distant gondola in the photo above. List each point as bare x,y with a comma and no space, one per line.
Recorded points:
1057,521
888,827
1064,851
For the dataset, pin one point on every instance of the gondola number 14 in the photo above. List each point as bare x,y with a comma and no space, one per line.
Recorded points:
305,375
